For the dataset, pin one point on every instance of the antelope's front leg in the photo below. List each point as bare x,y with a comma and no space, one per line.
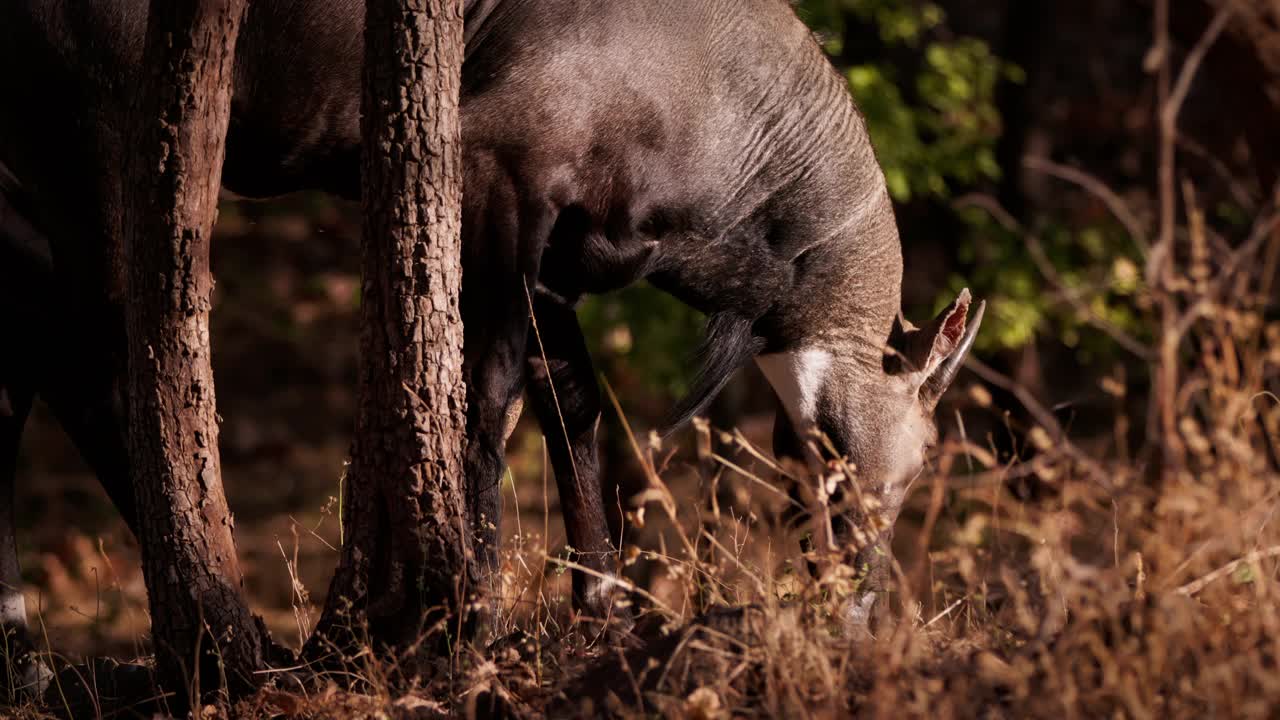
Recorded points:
566,398
504,234
494,386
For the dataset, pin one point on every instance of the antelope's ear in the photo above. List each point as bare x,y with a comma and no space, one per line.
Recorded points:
953,335
919,352
940,338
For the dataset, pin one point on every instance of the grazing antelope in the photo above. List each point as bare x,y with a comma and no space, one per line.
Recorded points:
705,145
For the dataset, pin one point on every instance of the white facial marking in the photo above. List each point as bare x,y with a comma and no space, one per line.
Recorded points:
797,377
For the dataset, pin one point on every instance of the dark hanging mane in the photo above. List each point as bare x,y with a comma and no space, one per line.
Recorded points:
728,345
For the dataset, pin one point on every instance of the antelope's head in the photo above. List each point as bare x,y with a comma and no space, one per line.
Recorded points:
878,416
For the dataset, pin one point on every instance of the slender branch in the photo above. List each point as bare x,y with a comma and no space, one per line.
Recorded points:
1164,242
1091,184
1262,233
1200,583
1115,332
1191,66
1072,297
1171,100
1042,416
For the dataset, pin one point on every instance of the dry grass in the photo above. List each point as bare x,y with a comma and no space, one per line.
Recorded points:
1123,589
1137,582
1129,586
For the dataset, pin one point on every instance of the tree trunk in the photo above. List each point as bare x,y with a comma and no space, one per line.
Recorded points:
203,631
406,556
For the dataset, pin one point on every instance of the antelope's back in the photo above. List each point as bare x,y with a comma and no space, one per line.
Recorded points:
643,99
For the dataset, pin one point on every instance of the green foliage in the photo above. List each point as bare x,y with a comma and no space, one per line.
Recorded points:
896,21
1096,267
929,100
939,125
645,331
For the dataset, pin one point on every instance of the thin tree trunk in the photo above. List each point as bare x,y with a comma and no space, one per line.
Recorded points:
406,557
203,631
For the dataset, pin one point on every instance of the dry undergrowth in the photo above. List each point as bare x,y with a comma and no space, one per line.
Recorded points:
1124,588
1132,584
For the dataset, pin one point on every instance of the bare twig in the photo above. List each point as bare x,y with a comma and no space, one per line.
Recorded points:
1262,232
1243,196
1091,184
757,480
1199,584
1171,99
1164,243
992,206
1115,332
1191,66
615,580
1042,416
1050,273
1162,421
551,383
946,612
755,579
1024,396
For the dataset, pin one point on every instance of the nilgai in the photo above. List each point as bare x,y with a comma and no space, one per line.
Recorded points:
704,145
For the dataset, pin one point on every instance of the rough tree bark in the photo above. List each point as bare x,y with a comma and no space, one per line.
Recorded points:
201,625
406,556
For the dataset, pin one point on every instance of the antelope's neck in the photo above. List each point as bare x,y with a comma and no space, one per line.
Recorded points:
797,377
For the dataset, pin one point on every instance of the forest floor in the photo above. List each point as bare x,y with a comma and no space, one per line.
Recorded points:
1085,593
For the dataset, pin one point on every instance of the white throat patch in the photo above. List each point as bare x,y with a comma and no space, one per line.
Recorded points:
797,377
